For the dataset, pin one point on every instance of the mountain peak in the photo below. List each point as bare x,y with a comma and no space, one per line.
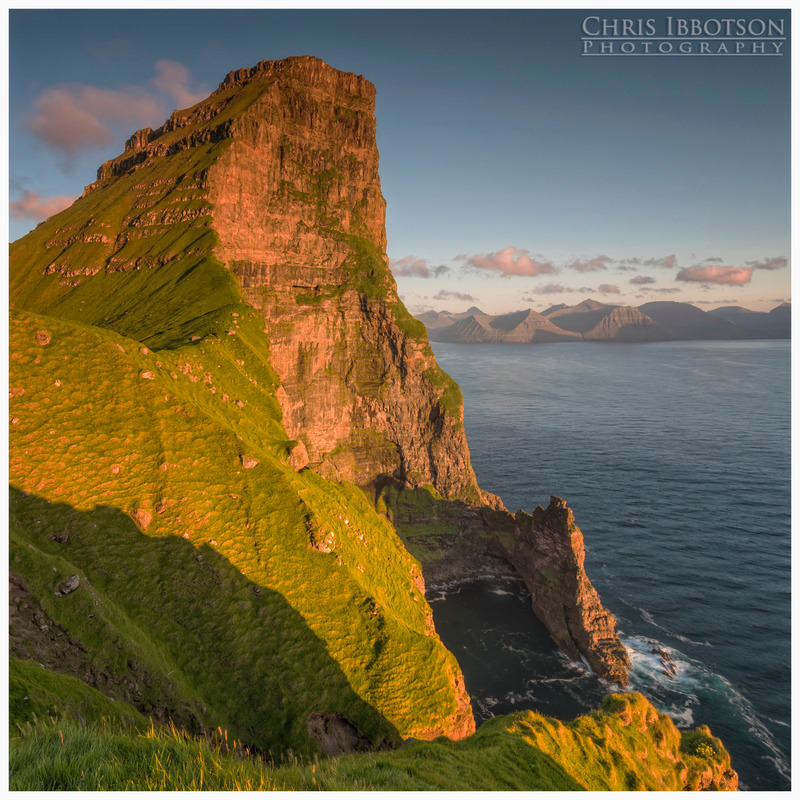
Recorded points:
313,70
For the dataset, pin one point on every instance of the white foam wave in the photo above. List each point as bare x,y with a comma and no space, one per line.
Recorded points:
691,641
683,718
695,680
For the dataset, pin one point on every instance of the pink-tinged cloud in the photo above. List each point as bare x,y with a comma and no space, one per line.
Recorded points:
512,261
769,263
410,266
730,276
607,288
667,261
70,117
175,80
446,294
641,280
32,206
591,264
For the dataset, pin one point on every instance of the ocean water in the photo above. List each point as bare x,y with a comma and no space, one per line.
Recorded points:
675,460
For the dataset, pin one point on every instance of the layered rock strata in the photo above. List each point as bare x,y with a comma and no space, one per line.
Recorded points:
300,218
275,175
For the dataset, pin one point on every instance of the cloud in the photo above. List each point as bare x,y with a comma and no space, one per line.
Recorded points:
650,292
37,208
769,263
461,257
70,117
512,261
175,80
719,303
590,265
713,260
550,288
413,267
730,276
641,280
667,261
664,261
607,288
445,294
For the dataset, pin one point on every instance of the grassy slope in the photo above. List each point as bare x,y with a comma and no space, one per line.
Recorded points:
626,746
223,587
292,628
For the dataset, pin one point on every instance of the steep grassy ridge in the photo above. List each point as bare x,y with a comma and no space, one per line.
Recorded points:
201,584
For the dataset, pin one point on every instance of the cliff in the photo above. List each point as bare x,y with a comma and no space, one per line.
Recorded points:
454,542
207,353
213,315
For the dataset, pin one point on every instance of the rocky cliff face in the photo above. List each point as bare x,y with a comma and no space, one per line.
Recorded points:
455,542
547,550
300,217
262,204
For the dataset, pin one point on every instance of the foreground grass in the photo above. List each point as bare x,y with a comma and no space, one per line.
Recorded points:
627,745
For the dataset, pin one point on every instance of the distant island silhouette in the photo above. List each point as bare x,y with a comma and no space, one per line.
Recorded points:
591,320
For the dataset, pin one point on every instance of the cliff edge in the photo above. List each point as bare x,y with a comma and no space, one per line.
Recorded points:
245,357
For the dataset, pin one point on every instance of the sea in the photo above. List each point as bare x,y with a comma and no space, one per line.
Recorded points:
675,459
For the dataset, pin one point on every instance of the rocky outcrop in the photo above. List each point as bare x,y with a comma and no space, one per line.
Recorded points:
455,542
547,550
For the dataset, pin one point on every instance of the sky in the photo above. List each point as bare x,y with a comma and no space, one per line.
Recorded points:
517,171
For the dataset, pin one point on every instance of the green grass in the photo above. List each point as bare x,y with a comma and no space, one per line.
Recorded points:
244,600
36,693
628,745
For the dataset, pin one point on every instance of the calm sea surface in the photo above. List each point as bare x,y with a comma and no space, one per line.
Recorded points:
675,460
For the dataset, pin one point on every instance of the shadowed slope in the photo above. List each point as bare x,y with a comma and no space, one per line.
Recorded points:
96,421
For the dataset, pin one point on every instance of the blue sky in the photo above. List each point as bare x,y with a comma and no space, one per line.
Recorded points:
516,171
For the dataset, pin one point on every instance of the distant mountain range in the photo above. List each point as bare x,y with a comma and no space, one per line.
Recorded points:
594,321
